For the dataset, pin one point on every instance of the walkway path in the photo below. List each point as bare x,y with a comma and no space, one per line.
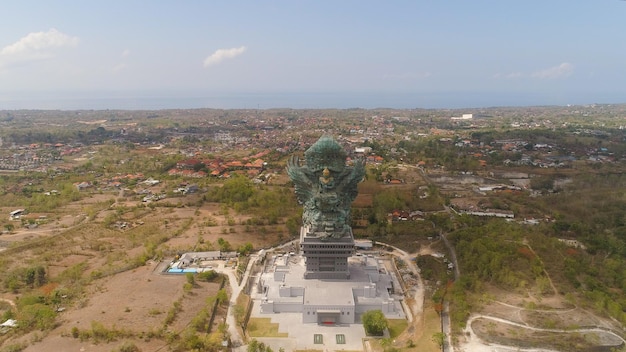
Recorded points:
236,339
10,302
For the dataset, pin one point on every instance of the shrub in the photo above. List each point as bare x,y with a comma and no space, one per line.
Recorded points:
374,322
39,316
207,276
129,347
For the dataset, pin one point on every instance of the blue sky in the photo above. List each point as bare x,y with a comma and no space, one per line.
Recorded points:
418,53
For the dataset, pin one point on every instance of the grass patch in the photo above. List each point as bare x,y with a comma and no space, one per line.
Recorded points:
263,327
241,305
242,300
396,327
432,325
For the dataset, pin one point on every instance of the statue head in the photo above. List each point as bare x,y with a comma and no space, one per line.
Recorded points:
327,154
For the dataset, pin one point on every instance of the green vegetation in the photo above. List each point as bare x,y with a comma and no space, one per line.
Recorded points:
100,333
268,204
374,322
256,346
519,258
31,277
241,305
208,276
173,312
128,347
439,338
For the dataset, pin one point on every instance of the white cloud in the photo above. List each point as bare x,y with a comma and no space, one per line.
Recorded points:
223,54
563,70
125,53
36,46
119,67
513,75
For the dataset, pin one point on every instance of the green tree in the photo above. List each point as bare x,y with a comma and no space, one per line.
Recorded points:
374,322
235,189
245,249
224,245
293,224
222,296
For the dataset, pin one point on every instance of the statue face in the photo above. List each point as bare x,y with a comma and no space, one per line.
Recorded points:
326,180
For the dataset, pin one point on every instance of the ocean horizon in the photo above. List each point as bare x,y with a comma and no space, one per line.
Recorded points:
314,100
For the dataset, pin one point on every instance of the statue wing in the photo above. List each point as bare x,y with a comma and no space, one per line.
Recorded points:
302,179
350,177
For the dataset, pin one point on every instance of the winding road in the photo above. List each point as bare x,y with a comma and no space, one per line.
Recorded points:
475,344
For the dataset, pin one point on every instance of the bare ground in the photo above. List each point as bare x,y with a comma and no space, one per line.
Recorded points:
133,303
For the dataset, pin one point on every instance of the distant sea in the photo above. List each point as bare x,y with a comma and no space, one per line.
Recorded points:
314,100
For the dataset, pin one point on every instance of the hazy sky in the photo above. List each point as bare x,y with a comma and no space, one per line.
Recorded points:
432,53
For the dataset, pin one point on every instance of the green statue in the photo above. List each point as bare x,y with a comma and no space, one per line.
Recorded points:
326,187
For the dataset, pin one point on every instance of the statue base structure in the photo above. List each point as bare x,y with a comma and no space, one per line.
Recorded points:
326,256
336,298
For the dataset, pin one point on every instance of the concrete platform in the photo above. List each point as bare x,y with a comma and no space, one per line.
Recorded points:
364,271
301,336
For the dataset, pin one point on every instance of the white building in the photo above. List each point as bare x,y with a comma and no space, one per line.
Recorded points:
284,289
463,117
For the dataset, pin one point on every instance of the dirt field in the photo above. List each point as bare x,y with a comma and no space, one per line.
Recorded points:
134,303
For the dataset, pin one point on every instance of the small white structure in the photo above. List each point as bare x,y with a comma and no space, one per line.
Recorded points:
463,117
10,323
151,182
363,150
16,214
492,213
363,244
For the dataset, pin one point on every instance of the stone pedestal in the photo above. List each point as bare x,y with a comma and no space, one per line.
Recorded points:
326,257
